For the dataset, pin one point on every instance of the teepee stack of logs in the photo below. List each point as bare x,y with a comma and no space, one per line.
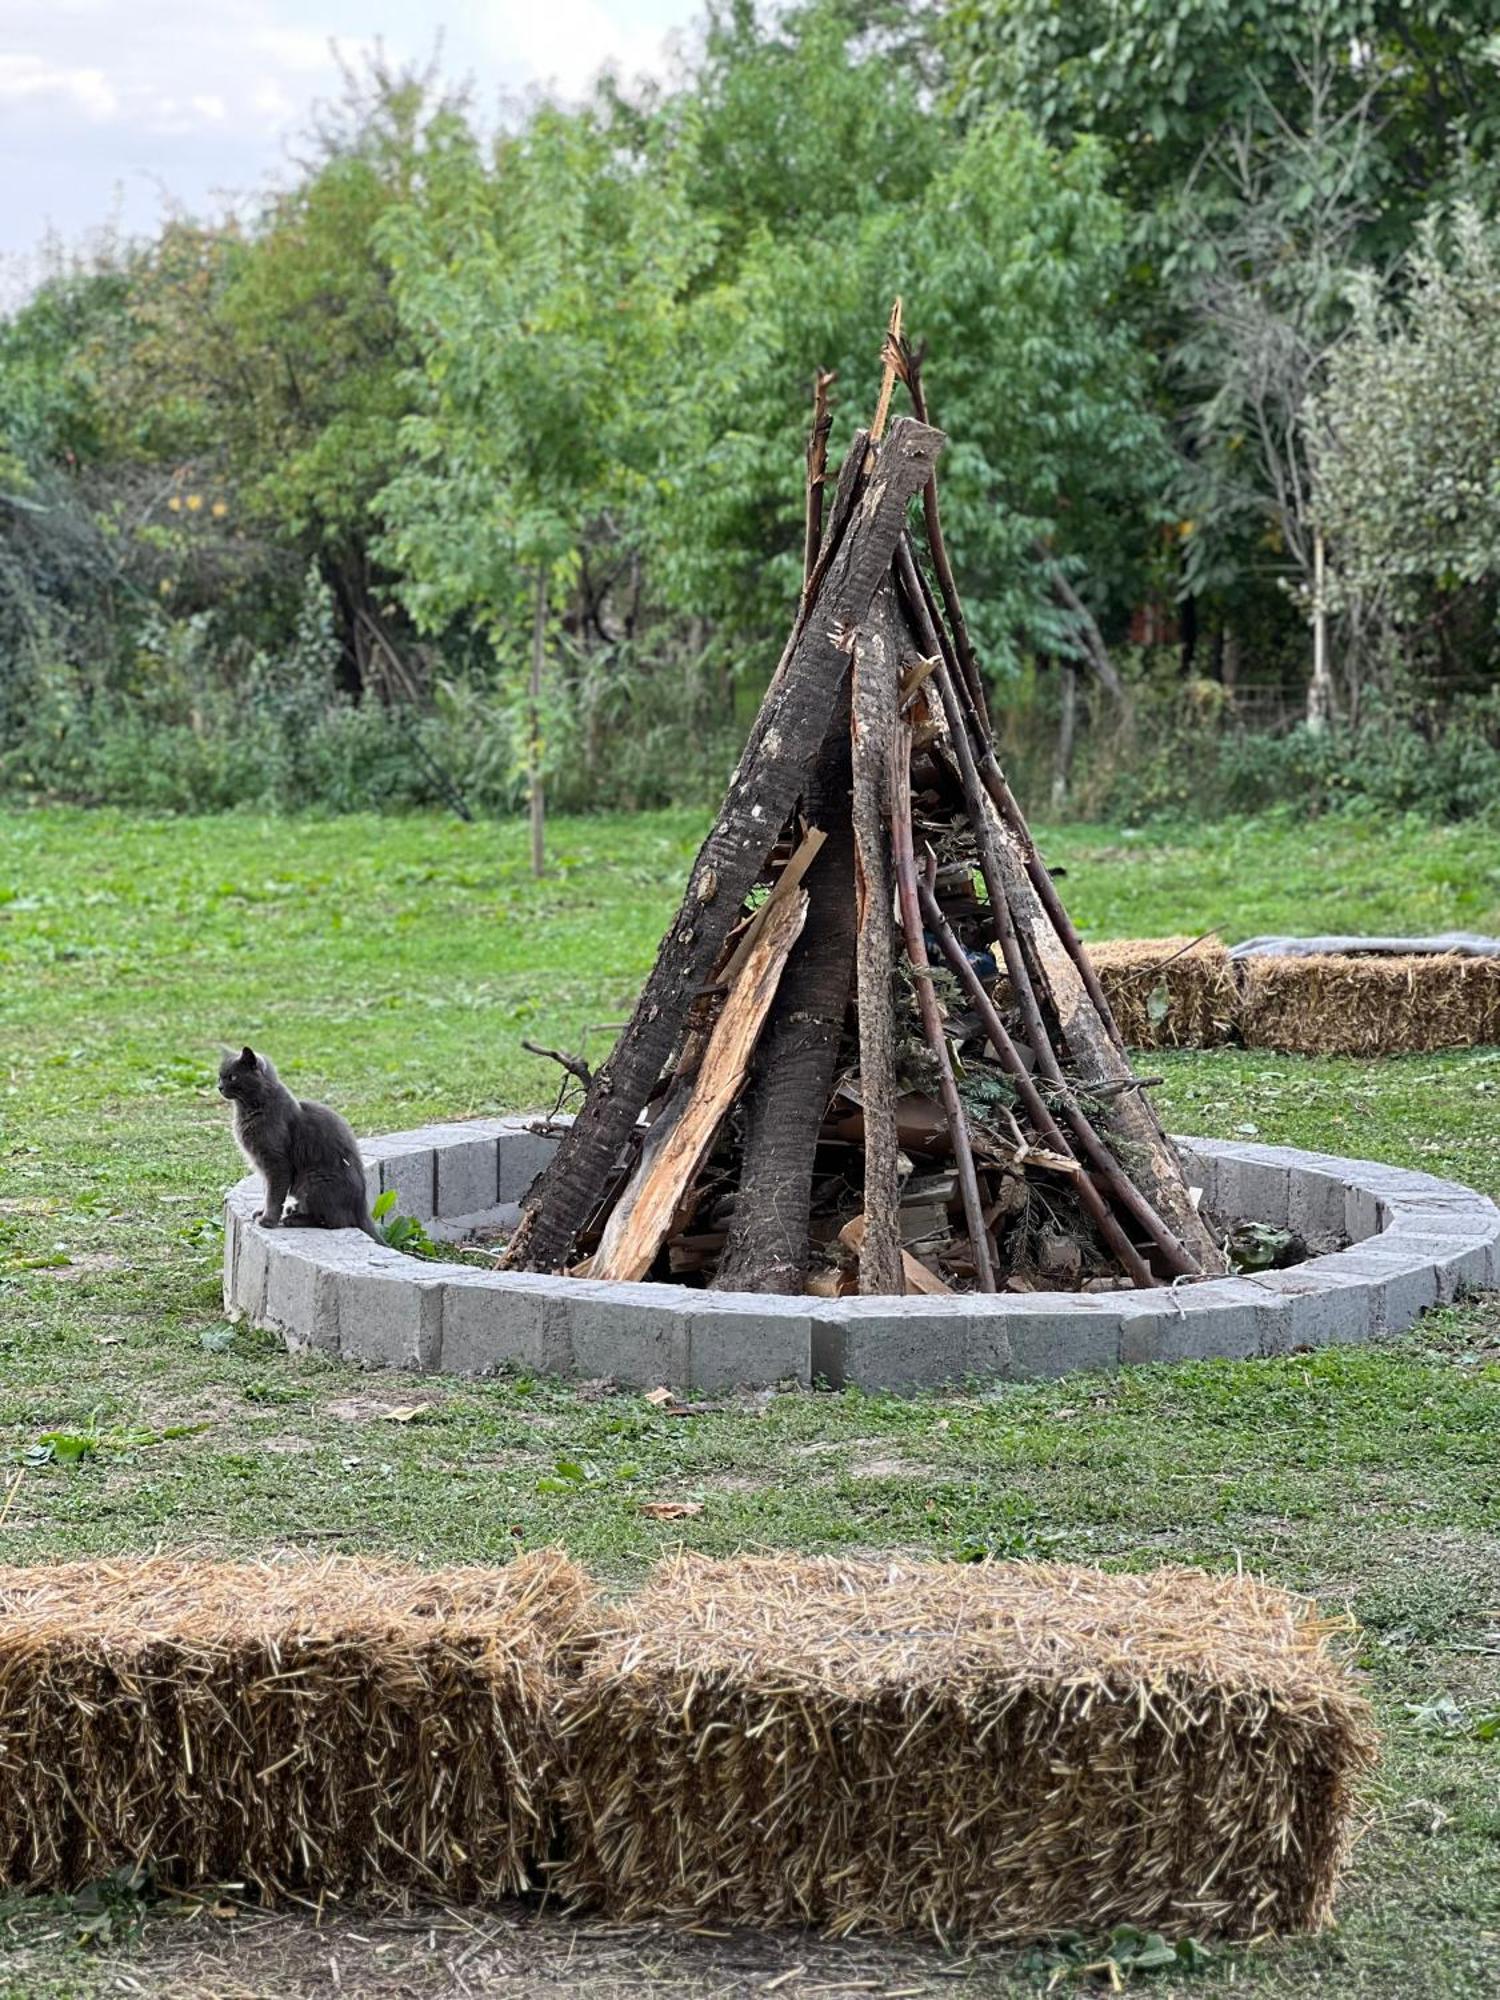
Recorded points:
872,1054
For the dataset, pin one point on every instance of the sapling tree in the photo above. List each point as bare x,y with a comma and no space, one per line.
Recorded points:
542,305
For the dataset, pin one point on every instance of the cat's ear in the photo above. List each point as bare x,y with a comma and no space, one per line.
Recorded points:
249,1058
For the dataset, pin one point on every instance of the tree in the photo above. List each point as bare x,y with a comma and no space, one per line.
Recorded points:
1012,262
1267,149
541,294
1407,435
274,352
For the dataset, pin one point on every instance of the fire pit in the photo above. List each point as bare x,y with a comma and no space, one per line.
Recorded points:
1416,1241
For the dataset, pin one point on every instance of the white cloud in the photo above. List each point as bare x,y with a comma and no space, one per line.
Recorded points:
27,78
103,105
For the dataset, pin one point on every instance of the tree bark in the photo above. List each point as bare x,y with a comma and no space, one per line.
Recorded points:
873,729
771,776
767,1248
1067,730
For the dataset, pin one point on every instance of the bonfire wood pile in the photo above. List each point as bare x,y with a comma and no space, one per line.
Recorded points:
820,1089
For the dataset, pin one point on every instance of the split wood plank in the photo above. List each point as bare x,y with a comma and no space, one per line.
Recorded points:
643,1215
873,719
787,883
915,1276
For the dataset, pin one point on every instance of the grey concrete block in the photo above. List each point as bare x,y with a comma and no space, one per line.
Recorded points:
468,1177
1326,1307
1443,1214
523,1155
1364,1212
291,1283
252,1264
1316,1202
489,1325
1406,1284
1064,1336
388,1315
412,1176
301,1295
636,1335
750,1343
231,1243
885,1343
1229,1319
1202,1167
1255,1190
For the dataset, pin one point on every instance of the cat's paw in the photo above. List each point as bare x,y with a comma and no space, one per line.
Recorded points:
267,1221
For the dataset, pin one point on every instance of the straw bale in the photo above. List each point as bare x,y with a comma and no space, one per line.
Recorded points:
1168,993
986,1751
1332,1005
324,1726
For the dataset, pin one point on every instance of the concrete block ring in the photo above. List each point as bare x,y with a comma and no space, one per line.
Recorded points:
1414,1241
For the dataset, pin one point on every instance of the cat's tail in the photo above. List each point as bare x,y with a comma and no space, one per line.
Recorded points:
370,1230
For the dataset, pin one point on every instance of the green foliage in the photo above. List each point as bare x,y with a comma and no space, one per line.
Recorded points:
1166,81
401,1232
441,375
1405,755
1409,427
1012,262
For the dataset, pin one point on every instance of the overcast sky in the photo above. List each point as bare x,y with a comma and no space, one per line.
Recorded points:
110,107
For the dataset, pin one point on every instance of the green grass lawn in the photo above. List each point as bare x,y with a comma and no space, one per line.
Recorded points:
393,967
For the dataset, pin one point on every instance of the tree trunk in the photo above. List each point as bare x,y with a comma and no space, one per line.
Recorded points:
534,728
1320,692
1067,726
771,776
767,1249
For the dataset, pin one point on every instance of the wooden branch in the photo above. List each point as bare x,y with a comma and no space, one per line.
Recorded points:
892,357
1037,1110
1184,1242
787,883
817,473
873,721
638,1225
574,1065
903,862
963,646
771,776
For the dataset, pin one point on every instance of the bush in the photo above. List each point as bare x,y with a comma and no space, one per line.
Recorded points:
1405,755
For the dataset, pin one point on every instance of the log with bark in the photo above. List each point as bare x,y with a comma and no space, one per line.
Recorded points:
872,1054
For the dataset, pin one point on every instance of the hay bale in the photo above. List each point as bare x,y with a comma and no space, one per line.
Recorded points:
992,1751
1168,993
306,1726
1332,1005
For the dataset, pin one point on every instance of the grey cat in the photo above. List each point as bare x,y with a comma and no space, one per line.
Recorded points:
308,1155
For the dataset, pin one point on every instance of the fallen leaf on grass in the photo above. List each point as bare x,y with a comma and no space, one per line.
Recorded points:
660,1397
670,1510
405,1413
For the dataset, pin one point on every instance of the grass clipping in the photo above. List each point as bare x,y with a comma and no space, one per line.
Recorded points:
303,1726
1336,1005
991,1751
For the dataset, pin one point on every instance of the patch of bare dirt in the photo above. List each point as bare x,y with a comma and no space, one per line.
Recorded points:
513,1952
